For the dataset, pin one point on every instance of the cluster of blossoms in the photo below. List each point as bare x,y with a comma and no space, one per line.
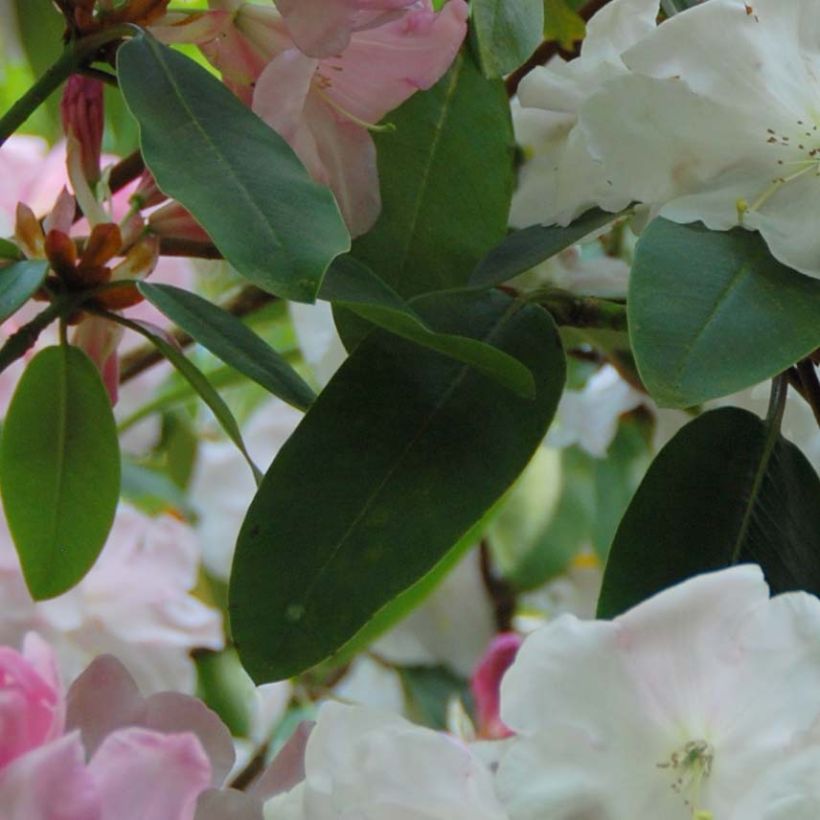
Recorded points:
666,116
702,702
323,74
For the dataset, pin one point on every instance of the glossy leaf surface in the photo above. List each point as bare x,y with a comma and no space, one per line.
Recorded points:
231,340
712,312
506,33
439,214
524,249
352,285
237,176
59,469
723,491
18,283
352,514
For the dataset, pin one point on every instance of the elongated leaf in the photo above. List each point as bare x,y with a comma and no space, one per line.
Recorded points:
352,285
352,514
196,378
59,469
526,248
226,337
506,33
712,312
723,491
18,283
236,175
446,179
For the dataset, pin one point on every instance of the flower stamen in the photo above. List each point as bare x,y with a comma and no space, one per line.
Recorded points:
691,764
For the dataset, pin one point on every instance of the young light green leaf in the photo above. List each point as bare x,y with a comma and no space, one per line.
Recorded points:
726,489
350,515
712,312
59,469
524,249
352,285
232,341
506,33
198,381
446,178
237,176
18,283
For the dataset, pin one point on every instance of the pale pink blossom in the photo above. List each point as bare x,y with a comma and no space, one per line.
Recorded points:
325,107
31,708
134,603
321,28
114,757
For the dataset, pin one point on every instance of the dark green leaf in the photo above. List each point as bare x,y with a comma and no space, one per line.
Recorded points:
352,285
446,179
8,250
396,460
59,469
18,283
236,175
506,33
226,337
524,249
724,490
712,312
197,379
405,602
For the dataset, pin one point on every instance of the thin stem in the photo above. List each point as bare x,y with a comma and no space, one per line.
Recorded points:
777,402
582,311
75,54
548,49
774,418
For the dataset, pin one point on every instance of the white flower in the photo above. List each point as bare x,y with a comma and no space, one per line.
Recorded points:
589,417
451,627
701,703
367,765
223,487
723,135
320,343
563,178
697,129
135,604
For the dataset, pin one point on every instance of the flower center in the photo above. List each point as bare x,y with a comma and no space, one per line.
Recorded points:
800,156
689,766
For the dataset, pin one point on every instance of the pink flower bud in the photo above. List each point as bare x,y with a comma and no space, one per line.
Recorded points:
486,684
82,114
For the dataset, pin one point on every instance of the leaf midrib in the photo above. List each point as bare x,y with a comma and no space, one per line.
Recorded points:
457,380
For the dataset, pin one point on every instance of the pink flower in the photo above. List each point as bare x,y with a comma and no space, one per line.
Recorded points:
135,603
325,108
31,708
321,28
81,110
121,757
486,684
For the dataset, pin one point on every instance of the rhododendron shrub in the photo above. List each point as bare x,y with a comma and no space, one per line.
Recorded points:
410,409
